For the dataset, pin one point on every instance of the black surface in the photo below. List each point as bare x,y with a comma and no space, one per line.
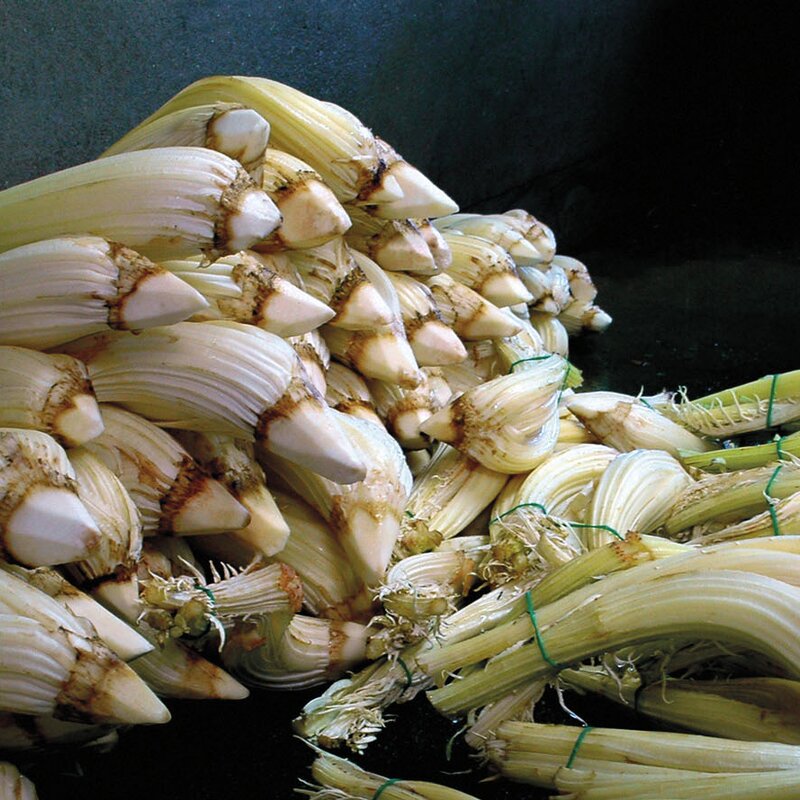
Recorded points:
615,122
653,136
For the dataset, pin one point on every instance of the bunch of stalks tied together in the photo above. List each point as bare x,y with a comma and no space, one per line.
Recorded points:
271,410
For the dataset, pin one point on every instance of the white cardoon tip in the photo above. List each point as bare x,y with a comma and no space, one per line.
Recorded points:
311,437
436,345
524,253
159,298
406,253
239,133
388,358
122,696
80,422
599,320
371,544
174,670
420,196
387,190
50,526
293,312
121,595
548,306
311,215
363,309
267,531
210,508
254,218
505,289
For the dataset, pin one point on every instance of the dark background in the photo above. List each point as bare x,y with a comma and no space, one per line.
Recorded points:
656,137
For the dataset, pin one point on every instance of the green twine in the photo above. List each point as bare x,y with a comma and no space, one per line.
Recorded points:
385,785
772,390
779,448
523,360
645,403
772,501
521,505
209,593
578,742
599,527
538,635
409,514
205,590
409,675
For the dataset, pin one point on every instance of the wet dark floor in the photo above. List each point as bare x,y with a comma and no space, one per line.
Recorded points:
696,319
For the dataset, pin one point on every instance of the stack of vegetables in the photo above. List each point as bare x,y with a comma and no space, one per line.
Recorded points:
270,409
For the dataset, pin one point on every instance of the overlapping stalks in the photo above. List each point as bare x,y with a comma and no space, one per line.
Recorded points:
279,299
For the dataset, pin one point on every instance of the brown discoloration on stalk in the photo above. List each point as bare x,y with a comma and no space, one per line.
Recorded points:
291,585
121,574
359,408
298,391
238,479
257,283
605,423
437,244
81,697
631,550
464,577
189,481
132,268
73,382
369,182
359,607
230,207
344,288
406,401
413,323
464,418
24,473
336,644
306,352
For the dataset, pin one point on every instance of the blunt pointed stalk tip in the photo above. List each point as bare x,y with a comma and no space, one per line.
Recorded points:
406,253
311,216
293,312
254,219
505,289
311,437
239,133
124,697
50,526
421,197
436,345
210,509
524,253
160,298
80,422
363,309
390,359
407,427
267,531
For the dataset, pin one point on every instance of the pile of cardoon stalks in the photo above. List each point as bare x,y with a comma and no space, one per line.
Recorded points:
273,414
